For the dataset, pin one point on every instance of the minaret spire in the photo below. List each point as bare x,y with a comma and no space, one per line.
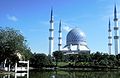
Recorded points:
115,13
109,26
51,30
116,31
60,37
51,19
109,38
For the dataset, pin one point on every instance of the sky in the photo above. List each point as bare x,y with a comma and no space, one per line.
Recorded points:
32,18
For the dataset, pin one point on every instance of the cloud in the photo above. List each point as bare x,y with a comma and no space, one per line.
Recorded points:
12,18
82,34
67,28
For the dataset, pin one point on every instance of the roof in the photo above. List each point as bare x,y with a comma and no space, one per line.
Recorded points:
76,36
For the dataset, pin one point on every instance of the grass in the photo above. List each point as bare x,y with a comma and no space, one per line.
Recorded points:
62,63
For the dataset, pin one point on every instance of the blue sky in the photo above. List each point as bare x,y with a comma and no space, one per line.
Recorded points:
32,17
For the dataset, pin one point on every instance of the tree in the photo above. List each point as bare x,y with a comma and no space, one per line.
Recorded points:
40,60
72,57
11,41
84,57
97,56
58,55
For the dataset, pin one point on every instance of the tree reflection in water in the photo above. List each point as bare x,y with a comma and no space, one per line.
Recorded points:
73,74
66,74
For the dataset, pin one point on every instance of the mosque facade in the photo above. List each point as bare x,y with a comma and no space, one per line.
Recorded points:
75,40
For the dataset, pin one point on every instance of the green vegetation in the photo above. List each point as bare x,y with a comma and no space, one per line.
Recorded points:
88,60
13,42
59,64
58,56
39,61
13,47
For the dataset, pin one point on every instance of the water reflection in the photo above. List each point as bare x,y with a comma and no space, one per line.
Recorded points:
73,74
15,75
6,76
25,75
63,74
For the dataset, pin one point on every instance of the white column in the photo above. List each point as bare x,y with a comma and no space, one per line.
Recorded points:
116,37
51,38
9,67
16,68
116,32
5,63
78,47
109,39
60,37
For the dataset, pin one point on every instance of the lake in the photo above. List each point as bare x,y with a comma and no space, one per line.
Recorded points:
64,74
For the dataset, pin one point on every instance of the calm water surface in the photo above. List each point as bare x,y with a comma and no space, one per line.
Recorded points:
64,74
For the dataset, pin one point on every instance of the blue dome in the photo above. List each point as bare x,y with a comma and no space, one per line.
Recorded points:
75,37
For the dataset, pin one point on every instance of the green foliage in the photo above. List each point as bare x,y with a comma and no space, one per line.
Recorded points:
84,57
60,64
40,60
11,42
94,59
84,63
58,55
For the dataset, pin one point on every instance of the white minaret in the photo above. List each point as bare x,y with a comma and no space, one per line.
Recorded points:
116,32
109,38
60,37
51,30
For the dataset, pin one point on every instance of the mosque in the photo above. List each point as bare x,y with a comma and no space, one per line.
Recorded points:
76,40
